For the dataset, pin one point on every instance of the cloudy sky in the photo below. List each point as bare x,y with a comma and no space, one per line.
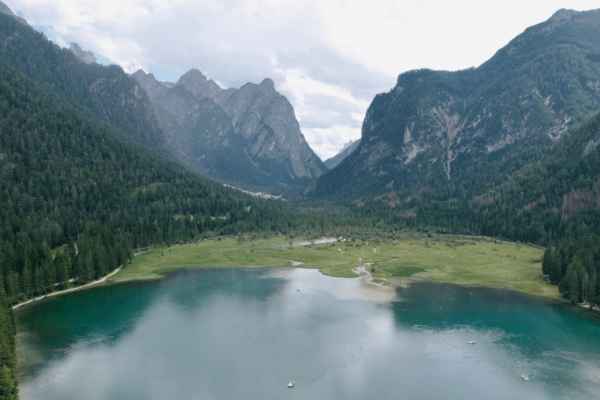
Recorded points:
329,58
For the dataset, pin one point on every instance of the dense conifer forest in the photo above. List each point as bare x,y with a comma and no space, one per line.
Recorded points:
106,91
81,189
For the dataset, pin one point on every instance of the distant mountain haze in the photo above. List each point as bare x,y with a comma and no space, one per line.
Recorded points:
435,126
248,135
348,148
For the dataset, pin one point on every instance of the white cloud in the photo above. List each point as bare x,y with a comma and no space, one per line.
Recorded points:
329,141
298,82
358,117
329,58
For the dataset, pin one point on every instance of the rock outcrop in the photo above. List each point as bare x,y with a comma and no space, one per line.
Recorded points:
200,134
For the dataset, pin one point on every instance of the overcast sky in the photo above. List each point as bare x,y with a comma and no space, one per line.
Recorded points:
329,58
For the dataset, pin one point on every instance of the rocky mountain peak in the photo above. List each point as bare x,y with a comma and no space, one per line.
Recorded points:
199,85
256,117
148,82
348,148
267,85
570,17
562,14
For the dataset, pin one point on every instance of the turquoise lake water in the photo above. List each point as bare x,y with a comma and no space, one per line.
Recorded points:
243,334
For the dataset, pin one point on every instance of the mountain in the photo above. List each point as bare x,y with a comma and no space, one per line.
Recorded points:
106,91
4,9
468,130
248,135
200,134
83,55
343,153
268,126
553,201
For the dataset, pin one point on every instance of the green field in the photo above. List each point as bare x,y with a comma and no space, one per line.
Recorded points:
463,260
208,253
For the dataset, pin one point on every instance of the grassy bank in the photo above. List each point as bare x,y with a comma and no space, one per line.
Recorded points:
462,260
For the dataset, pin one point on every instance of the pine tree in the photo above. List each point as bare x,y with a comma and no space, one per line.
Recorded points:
573,281
9,385
27,284
3,299
39,281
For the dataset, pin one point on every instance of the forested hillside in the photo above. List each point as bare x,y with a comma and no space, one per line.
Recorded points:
77,196
108,92
8,354
67,178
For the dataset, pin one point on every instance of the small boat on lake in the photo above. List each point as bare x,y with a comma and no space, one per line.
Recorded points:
472,342
291,384
525,377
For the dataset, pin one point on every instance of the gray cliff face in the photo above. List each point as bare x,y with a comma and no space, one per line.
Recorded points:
257,123
434,126
343,153
200,134
267,123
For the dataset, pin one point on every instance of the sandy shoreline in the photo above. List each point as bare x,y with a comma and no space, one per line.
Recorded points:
365,288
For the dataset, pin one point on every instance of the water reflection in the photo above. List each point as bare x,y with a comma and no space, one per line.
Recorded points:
232,333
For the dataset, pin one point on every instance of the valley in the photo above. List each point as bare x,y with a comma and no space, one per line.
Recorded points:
469,206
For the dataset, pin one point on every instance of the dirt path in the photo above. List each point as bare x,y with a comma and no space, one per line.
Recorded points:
365,275
69,290
101,280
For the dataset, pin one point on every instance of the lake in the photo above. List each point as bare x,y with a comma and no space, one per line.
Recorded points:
226,333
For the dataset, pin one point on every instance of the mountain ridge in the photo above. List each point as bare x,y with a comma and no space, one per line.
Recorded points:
257,123
348,148
434,125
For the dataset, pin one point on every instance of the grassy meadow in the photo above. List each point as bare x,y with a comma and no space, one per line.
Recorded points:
463,260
